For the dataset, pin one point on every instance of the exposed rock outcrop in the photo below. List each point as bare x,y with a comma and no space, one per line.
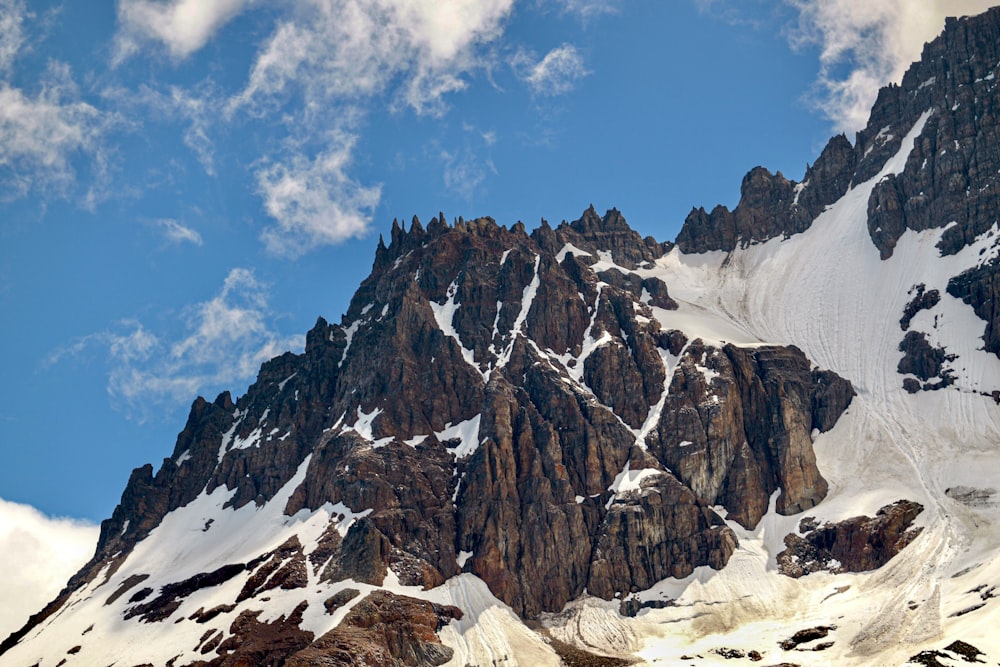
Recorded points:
923,299
979,287
771,205
737,425
926,362
857,544
383,630
948,178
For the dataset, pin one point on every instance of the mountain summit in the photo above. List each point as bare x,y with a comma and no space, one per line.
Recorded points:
776,439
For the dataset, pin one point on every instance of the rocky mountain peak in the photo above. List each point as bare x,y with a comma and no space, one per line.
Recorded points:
575,423
953,82
488,394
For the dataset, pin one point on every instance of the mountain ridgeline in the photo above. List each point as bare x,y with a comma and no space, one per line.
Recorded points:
508,427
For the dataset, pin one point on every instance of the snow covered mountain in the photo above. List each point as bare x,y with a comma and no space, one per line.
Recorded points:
777,440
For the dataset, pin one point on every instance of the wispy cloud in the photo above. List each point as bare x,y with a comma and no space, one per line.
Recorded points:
38,555
349,49
865,45
323,68
12,15
589,8
556,73
176,233
224,341
313,201
465,170
41,133
198,108
183,26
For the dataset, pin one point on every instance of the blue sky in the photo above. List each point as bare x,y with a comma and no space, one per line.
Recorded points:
185,185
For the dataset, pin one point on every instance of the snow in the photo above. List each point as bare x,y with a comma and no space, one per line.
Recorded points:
653,418
799,187
363,427
629,480
281,385
590,344
466,432
252,440
463,556
570,249
527,298
444,315
415,440
227,437
346,517
489,632
349,332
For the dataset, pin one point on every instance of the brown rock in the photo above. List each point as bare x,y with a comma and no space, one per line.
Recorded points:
383,630
857,544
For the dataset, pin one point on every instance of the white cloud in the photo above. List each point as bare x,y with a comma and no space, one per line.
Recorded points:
12,15
183,26
224,341
41,134
349,49
874,42
321,70
464,171
589,8
177,233
198,107
38,555
314,201
554,74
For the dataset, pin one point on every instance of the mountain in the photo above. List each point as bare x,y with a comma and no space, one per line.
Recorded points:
775,440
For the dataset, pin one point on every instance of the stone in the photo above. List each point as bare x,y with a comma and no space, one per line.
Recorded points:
858,544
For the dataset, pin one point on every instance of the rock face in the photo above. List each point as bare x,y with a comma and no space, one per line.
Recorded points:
854,545
771,205
948,177
383,630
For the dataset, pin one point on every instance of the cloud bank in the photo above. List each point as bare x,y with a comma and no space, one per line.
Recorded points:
866,45
38,555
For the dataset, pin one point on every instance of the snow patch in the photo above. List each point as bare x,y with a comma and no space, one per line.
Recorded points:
444,315
466,432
